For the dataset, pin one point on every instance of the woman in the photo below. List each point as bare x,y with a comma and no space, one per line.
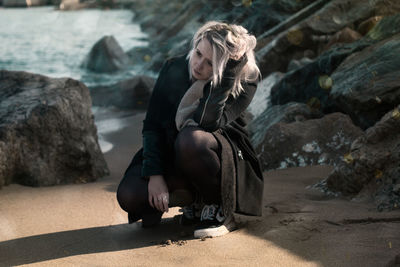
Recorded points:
195,147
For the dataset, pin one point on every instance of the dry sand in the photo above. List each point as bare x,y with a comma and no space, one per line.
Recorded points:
82,225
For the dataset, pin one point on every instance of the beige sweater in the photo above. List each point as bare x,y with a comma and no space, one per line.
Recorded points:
188,105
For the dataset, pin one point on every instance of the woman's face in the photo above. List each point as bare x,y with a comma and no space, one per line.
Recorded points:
201,61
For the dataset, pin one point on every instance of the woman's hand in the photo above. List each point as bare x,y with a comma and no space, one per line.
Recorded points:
234,67
158,193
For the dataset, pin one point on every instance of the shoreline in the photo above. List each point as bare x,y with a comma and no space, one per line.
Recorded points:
82,224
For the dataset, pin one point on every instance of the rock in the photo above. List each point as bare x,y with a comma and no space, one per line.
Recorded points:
338,14
261,99
157,61
395,262
47,132
346,35
295,64
324,82
372,165
288,113
365,85
140,55
106,56
314,31
386,27
181,48
278,13
185,15
307,84
309,142
129,94
23,3
368,24
306,10
71,5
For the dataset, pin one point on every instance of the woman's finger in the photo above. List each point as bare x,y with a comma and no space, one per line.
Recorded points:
165,201
151,201
158,203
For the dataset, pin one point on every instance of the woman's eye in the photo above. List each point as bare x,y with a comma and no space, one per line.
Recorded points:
198,53
209,63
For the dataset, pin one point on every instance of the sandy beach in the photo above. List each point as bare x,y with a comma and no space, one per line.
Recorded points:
83,225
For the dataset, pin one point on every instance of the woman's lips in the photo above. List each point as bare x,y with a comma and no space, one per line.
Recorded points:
197,73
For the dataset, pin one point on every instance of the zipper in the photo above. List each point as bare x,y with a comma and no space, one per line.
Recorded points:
240,155
205,105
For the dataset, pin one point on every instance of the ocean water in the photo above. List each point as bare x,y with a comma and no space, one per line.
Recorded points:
54,43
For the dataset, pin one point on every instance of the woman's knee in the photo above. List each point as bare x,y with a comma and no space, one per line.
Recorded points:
130,197
192,141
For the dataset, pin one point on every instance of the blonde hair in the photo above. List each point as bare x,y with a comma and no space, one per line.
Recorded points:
228,41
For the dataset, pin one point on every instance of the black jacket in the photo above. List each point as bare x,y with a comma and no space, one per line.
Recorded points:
217,110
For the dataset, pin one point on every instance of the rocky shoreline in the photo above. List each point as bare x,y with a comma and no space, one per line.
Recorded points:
329,79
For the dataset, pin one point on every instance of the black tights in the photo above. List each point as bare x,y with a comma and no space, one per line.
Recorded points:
197,168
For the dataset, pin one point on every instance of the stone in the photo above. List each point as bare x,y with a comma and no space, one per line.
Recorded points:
353,78
365,85
106,56
71,5
287,113
23,3
314,31
47,131
346,35
140,55
372,165
261,99
303,84
309,142
365,26
129,94
385,28
295,64
184,17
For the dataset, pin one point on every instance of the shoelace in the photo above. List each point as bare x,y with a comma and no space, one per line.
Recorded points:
188,212
208,212
212,212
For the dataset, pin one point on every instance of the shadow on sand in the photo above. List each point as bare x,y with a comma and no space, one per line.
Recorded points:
50,246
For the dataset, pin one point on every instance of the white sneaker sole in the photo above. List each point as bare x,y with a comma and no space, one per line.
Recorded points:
215,232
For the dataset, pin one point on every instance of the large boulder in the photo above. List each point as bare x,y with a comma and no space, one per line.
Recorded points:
309,142
47,132
261,99
129,94
183,17
310,81
287,113
365,85
372,169
359,82
106,56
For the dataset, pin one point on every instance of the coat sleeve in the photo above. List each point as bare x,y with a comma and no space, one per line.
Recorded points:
212,113
153,137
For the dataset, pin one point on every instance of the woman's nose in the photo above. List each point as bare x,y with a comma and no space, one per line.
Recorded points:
200,64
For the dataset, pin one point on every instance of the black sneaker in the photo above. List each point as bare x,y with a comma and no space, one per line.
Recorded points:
190,214
213,223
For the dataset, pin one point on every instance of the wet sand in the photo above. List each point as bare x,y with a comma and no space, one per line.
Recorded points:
82,225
